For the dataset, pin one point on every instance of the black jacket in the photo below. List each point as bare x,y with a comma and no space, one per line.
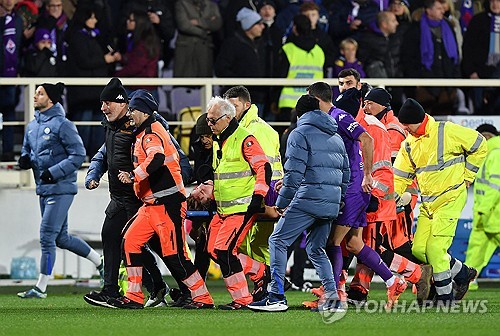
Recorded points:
242,57
374,46
119,140
476,47
443,66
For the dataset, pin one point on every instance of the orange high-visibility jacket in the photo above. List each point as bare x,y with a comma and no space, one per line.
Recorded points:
383,176
157,173
397,135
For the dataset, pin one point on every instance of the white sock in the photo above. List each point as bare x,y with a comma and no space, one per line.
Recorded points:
390,282
43,281
94,257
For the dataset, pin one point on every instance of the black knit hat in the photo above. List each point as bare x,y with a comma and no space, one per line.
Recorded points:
379,96
306,103
143,101
411,112
114,92
202,127
54,91
487,128
349,101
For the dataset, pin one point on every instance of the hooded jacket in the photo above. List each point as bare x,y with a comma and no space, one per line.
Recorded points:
52,142
317,167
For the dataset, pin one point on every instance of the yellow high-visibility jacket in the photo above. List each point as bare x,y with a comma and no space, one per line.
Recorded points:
487,189
267,137
442,160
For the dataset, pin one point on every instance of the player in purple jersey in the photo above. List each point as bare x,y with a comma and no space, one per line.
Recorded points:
349,224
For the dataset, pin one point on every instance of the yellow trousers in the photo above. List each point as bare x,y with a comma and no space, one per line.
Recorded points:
435,232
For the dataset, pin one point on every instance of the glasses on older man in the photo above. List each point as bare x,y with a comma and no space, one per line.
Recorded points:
212,122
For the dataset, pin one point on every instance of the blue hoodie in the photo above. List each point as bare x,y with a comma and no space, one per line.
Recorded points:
317,167
52,142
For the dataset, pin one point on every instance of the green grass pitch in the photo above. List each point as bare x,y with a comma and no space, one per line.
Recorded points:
65,313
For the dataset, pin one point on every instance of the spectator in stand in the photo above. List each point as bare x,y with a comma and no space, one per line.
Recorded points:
347,60
140,59
401,9
311,10
349,18
29,11
300,57
197,20
481,52
88,57
271,39
40,61
379,50
56,21
243,55
11,28
160,15
453,17
430,50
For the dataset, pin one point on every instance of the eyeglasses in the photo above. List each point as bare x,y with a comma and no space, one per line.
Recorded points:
212,122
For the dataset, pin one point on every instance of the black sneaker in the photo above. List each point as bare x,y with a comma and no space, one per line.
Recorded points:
260,287
459,291
175,293
181,301
233,306
99,299
356,297
198,305
124,303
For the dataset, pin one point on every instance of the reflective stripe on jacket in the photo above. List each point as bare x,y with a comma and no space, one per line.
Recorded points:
233,177
487,189
383,177
157,173
442,159
267,137
303,64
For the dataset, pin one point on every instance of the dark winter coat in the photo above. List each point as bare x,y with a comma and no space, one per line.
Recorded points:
317,167
443,66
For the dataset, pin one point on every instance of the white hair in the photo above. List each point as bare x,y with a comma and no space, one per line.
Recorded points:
224,106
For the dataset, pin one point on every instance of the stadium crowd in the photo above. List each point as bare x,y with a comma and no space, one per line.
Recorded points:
250,38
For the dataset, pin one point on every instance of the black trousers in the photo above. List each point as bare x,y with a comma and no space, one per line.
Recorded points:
118,213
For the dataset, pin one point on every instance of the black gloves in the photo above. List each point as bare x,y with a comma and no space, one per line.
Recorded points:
373,206
256,205
47,177
24,162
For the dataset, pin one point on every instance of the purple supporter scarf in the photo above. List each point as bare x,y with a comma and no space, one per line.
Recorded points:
9,47
426,45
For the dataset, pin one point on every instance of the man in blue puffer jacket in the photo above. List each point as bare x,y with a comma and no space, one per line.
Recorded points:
316,177
54,150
